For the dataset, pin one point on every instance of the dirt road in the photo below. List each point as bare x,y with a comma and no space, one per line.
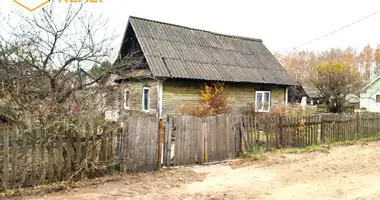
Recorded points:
351,172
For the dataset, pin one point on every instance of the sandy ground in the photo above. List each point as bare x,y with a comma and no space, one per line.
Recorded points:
351,172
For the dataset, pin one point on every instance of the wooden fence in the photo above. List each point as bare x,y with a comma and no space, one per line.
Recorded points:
45,155
38,156
190,140
55,153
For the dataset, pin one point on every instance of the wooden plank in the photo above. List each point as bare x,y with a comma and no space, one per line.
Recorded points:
183,140
123,163
206,146
186,140
14,157
175,134
34,155
60,157
166,138
308,130
322,131
281,132
243,135
69,151
78,149
247,119
202,143
160,142
178,140
228,132
316,128
169,149
42,156
6,158
257,121
103,145
87,143
51,161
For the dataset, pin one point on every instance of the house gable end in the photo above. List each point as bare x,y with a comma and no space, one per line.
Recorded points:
131,47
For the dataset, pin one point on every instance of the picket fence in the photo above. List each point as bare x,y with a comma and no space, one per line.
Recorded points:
144,143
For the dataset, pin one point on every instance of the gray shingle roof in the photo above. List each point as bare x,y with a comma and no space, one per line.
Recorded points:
179,52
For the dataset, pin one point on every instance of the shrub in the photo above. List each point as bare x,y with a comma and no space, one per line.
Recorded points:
214,101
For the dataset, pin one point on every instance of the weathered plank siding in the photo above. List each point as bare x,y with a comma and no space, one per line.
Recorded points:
180,92
135,94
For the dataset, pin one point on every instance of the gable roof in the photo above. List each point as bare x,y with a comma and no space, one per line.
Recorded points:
371,83
174,51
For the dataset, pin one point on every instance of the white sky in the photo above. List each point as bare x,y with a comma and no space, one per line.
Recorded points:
281,24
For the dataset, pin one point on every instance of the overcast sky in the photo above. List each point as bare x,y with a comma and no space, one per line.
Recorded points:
281,24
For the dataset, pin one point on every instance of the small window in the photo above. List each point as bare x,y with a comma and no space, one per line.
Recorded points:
126,99
377,98
262,103
145,99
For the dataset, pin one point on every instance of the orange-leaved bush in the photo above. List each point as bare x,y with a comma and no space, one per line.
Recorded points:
214,101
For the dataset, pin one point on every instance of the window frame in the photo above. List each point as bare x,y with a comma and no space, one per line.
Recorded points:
143,98
263,92
127,103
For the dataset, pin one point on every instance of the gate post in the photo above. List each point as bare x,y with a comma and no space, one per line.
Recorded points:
160,142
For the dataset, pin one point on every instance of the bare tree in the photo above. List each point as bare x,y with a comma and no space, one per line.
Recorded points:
42,57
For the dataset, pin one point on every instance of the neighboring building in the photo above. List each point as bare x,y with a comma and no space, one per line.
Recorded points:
179,60
370,96
305,91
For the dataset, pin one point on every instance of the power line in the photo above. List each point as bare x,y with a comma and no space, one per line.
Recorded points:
328,34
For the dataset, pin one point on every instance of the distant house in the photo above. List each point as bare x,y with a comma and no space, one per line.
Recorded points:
305,90
180,60
370,96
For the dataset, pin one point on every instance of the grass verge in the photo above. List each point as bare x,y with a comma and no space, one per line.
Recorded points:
256,157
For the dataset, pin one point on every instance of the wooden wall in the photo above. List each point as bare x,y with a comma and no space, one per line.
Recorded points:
179,92
135,91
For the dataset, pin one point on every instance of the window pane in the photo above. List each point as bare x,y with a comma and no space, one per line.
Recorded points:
259,100
266,101
126,98
146,99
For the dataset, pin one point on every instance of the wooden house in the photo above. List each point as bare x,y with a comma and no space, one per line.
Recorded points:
180,60
370,96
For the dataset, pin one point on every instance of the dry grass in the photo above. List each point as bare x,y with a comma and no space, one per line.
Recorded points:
248,159
177,175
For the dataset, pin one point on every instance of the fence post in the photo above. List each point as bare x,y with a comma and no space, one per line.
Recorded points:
280,124
160,142
357,126
323,129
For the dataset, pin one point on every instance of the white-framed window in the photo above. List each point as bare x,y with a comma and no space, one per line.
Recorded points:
126,99
262,101
146,99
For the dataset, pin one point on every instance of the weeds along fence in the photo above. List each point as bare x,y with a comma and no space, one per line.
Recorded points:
71,151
